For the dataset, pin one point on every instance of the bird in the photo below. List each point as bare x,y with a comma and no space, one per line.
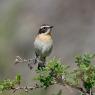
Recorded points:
43,44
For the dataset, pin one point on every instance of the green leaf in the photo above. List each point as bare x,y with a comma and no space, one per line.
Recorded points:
1,87
18,77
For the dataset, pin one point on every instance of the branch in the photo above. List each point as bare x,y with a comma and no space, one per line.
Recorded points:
25,88
63,82
76,87
30,62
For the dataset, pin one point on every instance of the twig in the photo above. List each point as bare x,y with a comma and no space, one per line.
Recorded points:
30,62
20,60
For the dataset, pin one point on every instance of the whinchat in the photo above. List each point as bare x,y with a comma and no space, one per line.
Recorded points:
43,44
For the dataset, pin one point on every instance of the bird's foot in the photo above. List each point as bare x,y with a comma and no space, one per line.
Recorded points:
41,65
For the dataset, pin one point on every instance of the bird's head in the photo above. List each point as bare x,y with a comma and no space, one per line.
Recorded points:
45,29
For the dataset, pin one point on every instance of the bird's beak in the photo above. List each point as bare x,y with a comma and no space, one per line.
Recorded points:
51,27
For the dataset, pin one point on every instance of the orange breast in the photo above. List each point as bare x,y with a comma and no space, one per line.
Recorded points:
44,38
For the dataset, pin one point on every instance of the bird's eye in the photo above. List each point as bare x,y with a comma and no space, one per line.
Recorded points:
44,28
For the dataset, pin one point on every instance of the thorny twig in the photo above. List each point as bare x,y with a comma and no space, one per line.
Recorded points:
31,62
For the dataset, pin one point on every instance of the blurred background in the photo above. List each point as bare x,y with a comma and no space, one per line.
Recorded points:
74,34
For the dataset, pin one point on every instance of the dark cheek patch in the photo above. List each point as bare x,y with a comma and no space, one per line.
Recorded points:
43,30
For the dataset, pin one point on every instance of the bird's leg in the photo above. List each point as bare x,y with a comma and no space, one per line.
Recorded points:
41,63
36,58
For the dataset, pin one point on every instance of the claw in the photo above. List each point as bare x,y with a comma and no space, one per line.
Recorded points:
41,65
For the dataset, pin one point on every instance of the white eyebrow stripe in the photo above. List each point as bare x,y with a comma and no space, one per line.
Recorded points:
44,26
